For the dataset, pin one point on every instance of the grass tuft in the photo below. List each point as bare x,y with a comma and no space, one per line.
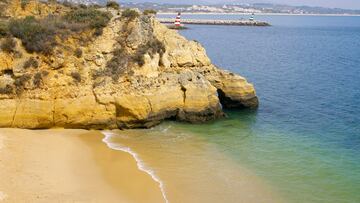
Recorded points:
8,45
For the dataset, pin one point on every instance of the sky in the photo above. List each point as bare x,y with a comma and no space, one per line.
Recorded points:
348,4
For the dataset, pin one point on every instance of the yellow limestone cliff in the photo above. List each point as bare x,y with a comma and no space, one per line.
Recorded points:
105,89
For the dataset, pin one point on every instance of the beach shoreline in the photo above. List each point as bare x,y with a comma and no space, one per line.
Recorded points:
60,165
69,166
179,160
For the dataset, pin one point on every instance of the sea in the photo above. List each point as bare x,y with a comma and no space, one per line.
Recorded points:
303,142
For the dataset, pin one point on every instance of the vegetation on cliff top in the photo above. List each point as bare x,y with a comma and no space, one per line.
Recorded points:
130,14
90,17
36,35
113,4
149,12
40,35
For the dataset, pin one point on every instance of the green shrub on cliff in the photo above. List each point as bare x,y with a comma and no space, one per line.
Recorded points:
68,4
36,36
149,12
130,14
116,66
83,6
4,30
113,4
37,79
20,83
8,45
152,47
93,18
31,62
24,3
76,76
52,1
2,7
122,60
39,35
78,53
8,89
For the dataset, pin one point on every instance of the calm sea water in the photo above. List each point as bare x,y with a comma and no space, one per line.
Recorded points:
304,140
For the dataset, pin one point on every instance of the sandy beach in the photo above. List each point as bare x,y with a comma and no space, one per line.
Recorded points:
69,166
77,166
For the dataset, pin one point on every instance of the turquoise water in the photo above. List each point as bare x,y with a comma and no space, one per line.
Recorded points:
305,137
304,140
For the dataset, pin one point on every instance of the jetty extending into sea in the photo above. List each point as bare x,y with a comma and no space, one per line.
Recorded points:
240,22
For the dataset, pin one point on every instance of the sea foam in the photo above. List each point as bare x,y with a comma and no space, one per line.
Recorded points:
140,163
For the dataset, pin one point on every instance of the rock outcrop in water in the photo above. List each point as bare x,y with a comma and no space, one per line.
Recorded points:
134,74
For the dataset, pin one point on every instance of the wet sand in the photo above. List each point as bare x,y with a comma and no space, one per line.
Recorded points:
193,170
69,166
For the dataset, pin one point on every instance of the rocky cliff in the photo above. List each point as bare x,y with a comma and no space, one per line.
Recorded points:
133,74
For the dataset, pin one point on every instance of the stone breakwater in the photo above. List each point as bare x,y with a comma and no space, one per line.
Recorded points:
103,88
216,22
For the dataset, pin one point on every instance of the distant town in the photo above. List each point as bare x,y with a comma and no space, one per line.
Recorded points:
242,8
238,8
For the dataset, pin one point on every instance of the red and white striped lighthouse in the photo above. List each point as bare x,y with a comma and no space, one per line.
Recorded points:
177,20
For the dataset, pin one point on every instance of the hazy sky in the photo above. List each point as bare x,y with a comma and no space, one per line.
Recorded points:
351,4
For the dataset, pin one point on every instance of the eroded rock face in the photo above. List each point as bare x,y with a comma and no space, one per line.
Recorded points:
186,96
179,83
233,90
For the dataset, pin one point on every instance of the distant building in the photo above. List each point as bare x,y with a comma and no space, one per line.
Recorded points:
252,17
178,20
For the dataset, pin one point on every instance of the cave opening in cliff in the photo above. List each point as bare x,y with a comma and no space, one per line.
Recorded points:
224,101
227,103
